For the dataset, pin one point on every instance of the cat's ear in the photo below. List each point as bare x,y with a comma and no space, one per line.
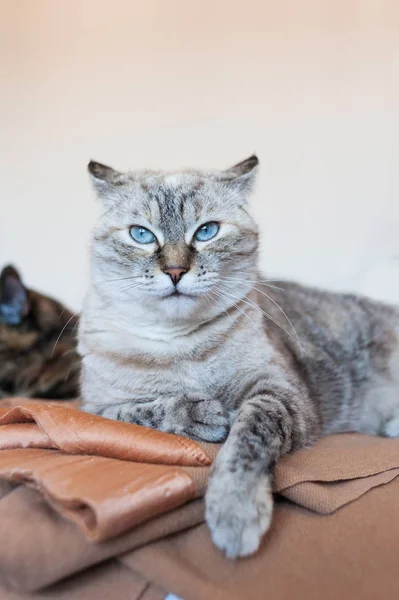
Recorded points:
14,302
105,180
242,176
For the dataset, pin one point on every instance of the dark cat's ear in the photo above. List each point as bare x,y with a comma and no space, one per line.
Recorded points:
242,175
105,180
14,303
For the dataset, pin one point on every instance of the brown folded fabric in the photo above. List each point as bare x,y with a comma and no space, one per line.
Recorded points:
111,579
11,401
105,497
43,548
77,432
109,497
336,471
339,469
349,555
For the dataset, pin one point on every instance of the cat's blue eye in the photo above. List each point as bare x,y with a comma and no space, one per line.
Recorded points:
207,231
142,235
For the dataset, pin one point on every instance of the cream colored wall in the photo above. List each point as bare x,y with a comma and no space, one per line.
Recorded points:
310,85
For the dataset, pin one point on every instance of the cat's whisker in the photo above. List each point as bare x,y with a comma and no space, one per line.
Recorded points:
61,332
282,311
118,279
229,298
67,352
258,278
132,286
210,299
69,370
244,280
95,331
208,295
248,301
207,298
223,297
73,329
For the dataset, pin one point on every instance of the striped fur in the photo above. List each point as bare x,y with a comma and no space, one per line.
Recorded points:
221,360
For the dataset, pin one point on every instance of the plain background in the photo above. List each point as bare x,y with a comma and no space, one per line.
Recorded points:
311,86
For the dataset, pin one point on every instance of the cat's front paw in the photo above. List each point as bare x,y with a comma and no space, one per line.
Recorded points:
205,420
238,511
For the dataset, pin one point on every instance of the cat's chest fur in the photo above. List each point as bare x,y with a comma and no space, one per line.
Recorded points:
130,364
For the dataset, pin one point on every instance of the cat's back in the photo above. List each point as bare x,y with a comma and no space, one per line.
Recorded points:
321,316
344,347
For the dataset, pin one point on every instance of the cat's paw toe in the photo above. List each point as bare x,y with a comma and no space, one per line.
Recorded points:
208,421
238,515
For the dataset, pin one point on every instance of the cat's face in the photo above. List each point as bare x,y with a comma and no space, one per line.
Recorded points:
177,242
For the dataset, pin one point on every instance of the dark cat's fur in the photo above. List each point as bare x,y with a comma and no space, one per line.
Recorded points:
38,356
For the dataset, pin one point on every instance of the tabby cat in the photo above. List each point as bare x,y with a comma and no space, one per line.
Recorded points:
180,332
38,356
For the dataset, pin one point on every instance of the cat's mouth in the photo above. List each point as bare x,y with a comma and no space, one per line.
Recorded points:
178,294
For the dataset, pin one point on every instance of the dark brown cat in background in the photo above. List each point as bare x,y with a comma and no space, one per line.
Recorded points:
38,357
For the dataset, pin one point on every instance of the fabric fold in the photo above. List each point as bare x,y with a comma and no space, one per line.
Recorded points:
43,548
125,486
337,470
350,555
129,468
77,432
108,580
104,496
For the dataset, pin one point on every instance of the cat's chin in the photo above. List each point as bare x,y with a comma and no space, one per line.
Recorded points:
179,305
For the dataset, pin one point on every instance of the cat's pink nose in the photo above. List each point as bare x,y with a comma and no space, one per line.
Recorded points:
175,273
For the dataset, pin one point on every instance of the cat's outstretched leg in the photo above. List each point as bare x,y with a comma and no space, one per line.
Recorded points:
239,500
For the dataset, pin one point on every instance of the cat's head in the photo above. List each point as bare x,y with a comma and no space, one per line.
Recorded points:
178,242
14,303
25,315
